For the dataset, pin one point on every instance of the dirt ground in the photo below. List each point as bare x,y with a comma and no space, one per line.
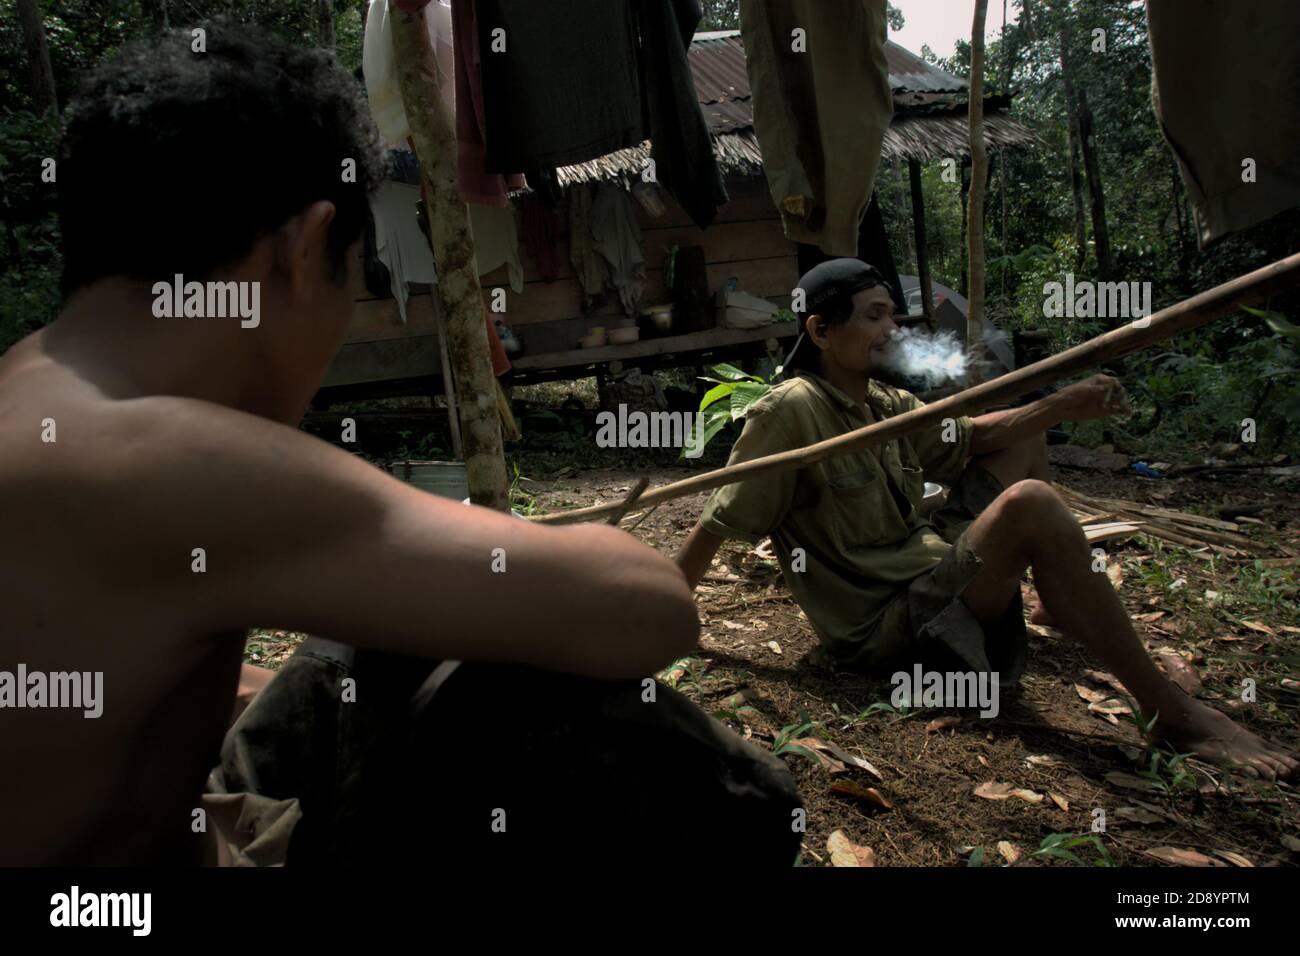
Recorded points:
915,802
753,672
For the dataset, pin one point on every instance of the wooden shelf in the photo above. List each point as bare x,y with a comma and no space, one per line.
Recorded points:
644,348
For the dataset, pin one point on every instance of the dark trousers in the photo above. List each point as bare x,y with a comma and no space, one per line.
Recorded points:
500,761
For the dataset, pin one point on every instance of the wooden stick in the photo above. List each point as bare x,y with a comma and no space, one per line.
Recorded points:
1189,314
641,485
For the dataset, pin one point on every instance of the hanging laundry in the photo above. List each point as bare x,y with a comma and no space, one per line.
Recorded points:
820,111
560,81
541,236
496,241
380,68
400,243
589,265
617,236
475,183
680,144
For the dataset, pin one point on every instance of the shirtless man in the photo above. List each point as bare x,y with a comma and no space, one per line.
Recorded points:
884,585
131,440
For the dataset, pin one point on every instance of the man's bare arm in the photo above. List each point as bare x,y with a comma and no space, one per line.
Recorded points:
298,534
1096,397
697,553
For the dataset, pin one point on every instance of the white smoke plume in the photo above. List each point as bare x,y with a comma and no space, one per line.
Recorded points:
937,358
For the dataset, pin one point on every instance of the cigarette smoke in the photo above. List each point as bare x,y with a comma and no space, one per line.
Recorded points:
937,358
934,358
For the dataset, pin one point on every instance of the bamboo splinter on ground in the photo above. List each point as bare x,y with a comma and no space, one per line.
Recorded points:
1199,310
457,287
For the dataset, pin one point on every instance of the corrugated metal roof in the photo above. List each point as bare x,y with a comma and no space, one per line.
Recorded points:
929,122
718,65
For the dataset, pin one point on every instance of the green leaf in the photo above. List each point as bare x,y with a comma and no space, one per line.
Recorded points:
716,393
732,374
745,395
1276,321
976,857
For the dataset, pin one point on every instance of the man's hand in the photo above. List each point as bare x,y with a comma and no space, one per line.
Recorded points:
1098,397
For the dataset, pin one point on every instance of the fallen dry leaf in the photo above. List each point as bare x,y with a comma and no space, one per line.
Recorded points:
818,749
774,647
1004,791
1103,702
1139,815
1130,782
844,852
1256,626
1042,760
942,723
733,625
1236,859
1172,854
1116,574
1107,678
823,748
1059,800
851,788
1149,616
1009,851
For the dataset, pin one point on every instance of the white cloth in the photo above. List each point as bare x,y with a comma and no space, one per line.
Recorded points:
380,68
617,236
496,241
399,243
401,246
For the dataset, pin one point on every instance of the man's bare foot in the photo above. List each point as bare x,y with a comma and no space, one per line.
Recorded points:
1212,736
1040,615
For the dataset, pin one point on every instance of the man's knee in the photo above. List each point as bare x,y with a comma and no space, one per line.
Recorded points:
1037,508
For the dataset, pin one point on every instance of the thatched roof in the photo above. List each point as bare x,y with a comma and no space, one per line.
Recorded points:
929,115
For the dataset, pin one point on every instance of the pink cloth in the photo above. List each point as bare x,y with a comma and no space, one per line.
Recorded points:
476,184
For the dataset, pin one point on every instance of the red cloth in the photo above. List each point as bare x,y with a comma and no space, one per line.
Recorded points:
476,184
542,236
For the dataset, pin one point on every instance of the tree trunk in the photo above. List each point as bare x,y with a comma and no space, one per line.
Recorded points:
922,253
457,287
1092,163
325,19
155,12
44,96
900,213
964,285
979,183
1076,178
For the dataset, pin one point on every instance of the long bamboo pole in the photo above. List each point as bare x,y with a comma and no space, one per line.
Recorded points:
1191,313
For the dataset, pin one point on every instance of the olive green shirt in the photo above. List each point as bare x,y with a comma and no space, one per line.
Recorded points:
847,531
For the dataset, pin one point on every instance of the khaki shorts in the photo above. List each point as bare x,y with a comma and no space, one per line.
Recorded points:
927,623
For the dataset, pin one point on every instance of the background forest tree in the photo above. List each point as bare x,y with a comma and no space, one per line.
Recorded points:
1101,197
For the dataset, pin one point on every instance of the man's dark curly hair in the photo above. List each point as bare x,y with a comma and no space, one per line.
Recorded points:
176,161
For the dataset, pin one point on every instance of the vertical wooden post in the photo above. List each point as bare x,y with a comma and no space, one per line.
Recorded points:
459,296
978,184
918,224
